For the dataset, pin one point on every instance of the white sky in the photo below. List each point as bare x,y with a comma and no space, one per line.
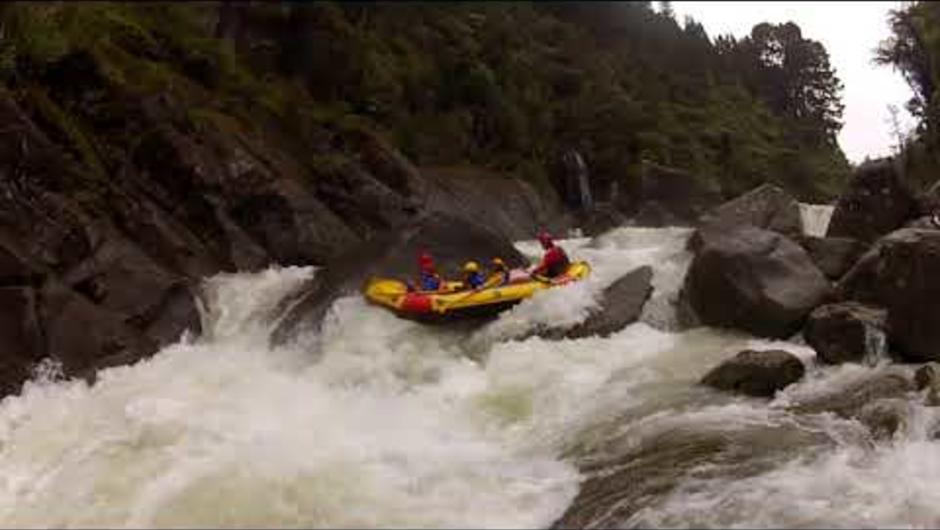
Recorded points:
850,31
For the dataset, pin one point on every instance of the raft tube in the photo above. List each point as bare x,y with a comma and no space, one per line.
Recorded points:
450,304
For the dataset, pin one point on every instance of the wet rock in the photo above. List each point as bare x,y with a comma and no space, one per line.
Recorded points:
909,287
756,373
876,202
848,401
833,255
768,207
754,280
885,417
601,219
925,222
451,241
654,214
21,337
844,332
498,202
928,377
680,196
621,304
81,334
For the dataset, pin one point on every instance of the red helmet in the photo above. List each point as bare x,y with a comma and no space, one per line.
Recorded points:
425,262
545,239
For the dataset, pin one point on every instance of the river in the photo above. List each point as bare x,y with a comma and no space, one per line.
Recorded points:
393,424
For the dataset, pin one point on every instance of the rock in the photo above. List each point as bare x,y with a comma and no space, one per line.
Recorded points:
925,222
754,280
767,207
451,241
848,401
843,332
654,214
756,373
13,271
21,337
876,202
81,334
909,288
601,219
885,417
498,202
833,255
621,304
680,195
928,377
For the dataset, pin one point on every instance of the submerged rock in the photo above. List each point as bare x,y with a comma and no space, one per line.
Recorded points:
756,373
754,280
885,417
848,401
876,202
844,332
621,304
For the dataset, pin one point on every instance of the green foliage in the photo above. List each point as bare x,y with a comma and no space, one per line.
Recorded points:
509,86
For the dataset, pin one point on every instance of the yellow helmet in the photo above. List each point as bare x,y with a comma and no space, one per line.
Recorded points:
498,262
471,266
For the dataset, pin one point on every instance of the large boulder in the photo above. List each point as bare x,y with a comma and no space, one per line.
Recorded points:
621,304
451,241
654,214
910,290
876,202
21,336
845,332
756,373
768,207
833,255
755,280
681,196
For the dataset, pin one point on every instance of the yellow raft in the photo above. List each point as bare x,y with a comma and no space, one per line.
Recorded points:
451,304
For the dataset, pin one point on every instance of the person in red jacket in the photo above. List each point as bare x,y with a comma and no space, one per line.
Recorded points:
555,261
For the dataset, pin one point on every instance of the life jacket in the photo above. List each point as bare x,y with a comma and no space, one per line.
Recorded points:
555,262
430,281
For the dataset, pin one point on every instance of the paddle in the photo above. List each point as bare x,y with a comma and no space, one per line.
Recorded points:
493,281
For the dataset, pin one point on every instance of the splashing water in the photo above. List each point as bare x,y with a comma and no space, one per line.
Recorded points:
393,424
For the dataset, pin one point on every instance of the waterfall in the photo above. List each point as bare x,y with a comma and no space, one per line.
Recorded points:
815,218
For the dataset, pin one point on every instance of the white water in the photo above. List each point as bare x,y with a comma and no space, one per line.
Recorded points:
396,424
815,218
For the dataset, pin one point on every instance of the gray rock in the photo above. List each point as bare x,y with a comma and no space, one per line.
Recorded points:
768,207
833,255
621,304
754,280
842,332
756,373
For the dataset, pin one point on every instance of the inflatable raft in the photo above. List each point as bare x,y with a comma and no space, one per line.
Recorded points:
450,304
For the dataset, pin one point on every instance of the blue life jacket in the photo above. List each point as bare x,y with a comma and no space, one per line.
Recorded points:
430,281
474,279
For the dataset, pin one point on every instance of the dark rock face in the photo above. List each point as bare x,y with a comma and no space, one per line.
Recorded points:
654,214
753,280
508,206
840,332
680,195
876,202
833,255
451,241
621,305
600,220
102,251
756,373
767,207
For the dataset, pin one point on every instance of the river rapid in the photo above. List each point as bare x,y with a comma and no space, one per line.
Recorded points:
394,424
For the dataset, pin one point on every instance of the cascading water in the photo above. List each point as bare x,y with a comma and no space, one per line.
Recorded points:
395,424
815,218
